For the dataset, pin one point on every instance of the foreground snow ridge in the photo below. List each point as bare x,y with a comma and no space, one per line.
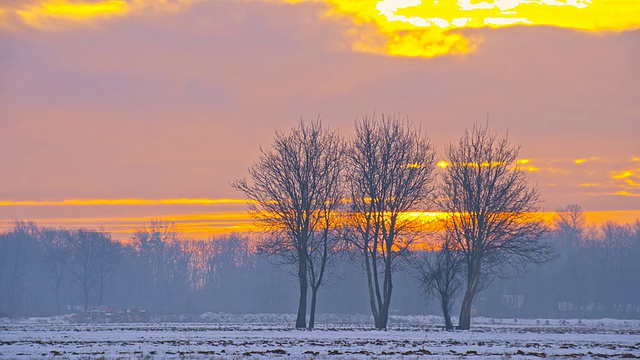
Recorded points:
227,336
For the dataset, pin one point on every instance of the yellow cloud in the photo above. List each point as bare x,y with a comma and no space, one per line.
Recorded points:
90,202
50,14
626,193
428,28
61,8
56,14
584,160
556,170
414,28
621,174
632,182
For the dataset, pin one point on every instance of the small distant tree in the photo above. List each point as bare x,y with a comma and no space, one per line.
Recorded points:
492,212
18,260
440,272
570,233
226,261
294,188
389,171
109,257
91,259
570,224
164,262
614,245
57,258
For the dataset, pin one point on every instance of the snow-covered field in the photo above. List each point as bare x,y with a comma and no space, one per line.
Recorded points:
215,336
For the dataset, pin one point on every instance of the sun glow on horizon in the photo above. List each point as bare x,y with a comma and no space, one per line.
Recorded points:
203,225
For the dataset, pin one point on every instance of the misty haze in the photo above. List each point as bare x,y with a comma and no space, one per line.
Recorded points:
319,179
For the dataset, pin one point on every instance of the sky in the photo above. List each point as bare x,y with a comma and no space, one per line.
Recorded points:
113,112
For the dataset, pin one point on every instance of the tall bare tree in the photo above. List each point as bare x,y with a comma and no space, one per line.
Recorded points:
390,167
295,188
492,211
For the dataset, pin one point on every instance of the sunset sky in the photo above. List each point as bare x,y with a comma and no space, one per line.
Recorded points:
117,111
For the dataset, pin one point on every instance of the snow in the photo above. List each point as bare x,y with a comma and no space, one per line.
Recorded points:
221,336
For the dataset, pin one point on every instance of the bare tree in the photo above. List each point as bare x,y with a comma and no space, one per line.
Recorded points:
164,262
295,187
322,251
57,257
225,262
570,229
440,271
615,246
570,224
18,248
109,256
492,212
389,172
91,260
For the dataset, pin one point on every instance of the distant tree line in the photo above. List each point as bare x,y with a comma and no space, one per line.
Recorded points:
595,276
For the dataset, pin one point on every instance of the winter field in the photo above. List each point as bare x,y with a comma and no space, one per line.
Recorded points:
224,336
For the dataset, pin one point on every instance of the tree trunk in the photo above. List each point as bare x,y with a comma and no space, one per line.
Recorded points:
372,298
473,279
85,291
312,315
302,304
381,323
58,296
100,292
386,298
465,311
446,313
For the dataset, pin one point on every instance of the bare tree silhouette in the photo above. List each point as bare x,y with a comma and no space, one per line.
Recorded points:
295,188
492,212
389,171
440,271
